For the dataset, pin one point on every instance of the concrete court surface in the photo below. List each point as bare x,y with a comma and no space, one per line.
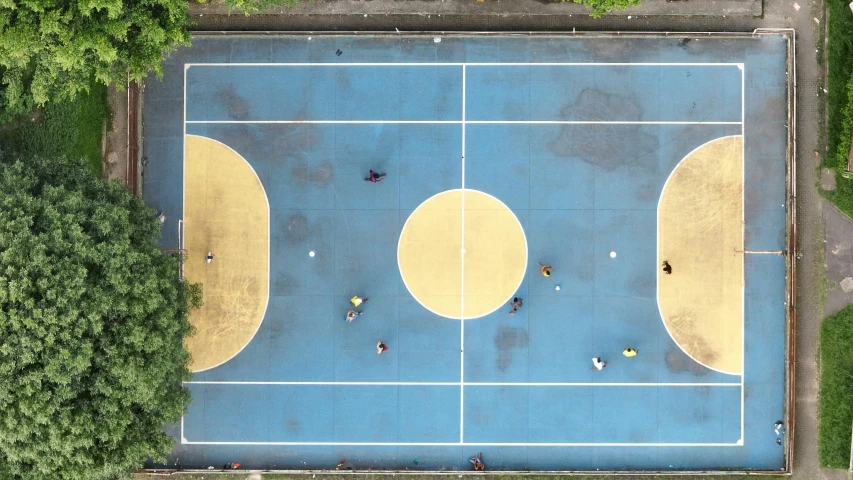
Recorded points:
609,175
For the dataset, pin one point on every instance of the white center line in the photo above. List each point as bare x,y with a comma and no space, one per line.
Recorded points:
462,293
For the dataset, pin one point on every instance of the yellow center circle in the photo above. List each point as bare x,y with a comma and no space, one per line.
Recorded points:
462,254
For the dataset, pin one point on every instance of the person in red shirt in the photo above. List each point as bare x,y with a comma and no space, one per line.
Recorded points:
375,177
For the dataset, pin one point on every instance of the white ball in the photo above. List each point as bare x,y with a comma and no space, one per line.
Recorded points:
311,253
557,288
612,254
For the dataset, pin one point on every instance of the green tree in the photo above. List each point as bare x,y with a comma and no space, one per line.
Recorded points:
50,50
600,7
92,321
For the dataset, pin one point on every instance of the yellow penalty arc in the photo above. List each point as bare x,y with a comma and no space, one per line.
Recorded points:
226,212
701,235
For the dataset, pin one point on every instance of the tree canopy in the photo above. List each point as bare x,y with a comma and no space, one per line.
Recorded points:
92,320
51,49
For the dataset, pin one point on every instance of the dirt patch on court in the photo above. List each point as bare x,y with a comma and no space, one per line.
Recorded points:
648,192
684,323
285,284
238,107
302,174
507,341
296,229
677,361
603,145
241,138
293,425
291,137
605,49
701,415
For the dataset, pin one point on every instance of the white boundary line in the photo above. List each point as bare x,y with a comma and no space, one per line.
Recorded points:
463,122
184,187
462,293
472,122
743,239
468,384
471,444
471,64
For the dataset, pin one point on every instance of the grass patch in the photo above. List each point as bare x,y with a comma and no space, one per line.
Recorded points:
836,389
836,336
73,128
840,147
839,100
839,72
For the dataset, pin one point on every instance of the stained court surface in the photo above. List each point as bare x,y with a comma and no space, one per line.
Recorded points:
599,156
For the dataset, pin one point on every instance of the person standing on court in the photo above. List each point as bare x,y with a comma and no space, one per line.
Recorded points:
381,347
517,302
630,352
598,364
667,268
356,300
545,270
375,177
352,315
209,257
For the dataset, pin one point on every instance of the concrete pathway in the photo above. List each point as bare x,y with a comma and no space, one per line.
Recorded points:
838,256
808,22
747,8
115,151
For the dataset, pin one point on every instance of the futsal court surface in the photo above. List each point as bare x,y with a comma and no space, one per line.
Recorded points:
601,157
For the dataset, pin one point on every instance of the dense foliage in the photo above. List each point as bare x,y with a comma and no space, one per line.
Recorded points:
73,128
836,389
600,7
50,50
92,321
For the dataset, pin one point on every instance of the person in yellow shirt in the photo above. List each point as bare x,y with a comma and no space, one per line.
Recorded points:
630,352
545,270
356,300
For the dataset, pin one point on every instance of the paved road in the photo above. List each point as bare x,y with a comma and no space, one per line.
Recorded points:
777,13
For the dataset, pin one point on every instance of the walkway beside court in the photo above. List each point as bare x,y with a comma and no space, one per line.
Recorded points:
745,8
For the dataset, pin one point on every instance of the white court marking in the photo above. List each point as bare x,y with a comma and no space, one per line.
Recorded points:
469,64
471,444
468,384
460,122
463,122
462,292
